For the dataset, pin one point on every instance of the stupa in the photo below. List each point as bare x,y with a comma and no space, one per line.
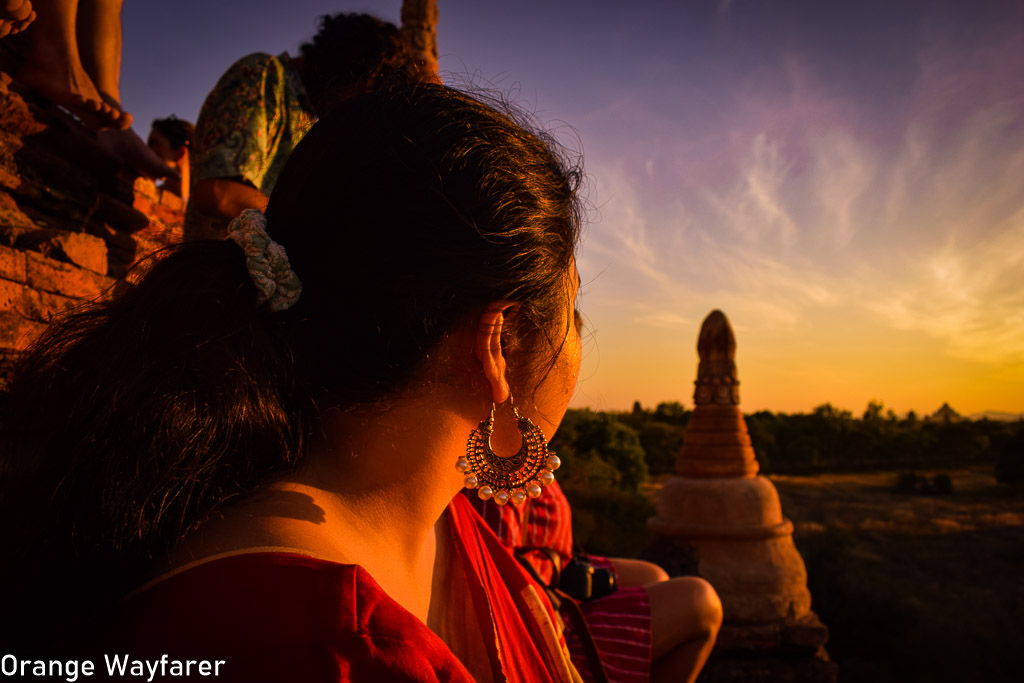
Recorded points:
718,506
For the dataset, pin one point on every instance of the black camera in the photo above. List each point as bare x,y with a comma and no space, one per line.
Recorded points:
582,581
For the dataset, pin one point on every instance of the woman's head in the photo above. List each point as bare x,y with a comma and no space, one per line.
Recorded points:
404,214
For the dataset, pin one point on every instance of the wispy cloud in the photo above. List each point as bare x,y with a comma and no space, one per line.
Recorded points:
623,234
798,200
755,209
665,320
843,171
970,297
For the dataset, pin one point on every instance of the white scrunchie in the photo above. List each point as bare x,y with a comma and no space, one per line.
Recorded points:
276,282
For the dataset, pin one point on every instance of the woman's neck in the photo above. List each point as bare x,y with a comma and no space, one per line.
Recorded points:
370,494
384,482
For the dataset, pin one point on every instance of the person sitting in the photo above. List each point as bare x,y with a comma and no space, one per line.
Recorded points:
250,457
644,625
263,105
170,139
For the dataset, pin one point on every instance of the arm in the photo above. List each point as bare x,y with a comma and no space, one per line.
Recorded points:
226,198
230,155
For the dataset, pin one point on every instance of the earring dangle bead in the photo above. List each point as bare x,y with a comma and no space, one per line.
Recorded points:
512,479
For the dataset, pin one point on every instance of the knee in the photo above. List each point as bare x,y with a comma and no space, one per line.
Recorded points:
683,610
704,601
638,572
651,573
710,606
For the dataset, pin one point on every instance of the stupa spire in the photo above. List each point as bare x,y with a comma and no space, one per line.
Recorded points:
716,443
717,383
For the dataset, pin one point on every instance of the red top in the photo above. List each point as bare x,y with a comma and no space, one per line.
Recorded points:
620,623
286,617
544,522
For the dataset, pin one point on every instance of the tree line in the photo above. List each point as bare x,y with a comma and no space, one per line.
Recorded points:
619,450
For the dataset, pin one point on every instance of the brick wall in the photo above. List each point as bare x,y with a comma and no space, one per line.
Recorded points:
73,219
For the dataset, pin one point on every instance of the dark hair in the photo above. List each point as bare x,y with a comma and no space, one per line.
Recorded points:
404,213
354,51
177,131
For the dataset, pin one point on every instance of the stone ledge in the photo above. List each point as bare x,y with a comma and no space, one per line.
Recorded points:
15,116
84,250
14,222
63,278
75,248
32,304
13,265
146,189
17,332
9,181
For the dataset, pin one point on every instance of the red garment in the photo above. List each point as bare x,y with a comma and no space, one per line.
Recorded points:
287,617
620,622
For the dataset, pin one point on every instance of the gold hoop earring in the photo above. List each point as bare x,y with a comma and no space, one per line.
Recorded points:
515,478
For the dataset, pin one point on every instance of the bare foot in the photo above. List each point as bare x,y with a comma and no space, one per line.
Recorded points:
71,89
15,16
133,151
124,121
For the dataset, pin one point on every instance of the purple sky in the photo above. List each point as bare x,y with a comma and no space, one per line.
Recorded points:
844,180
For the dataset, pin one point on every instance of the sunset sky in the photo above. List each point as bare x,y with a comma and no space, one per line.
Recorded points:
845,180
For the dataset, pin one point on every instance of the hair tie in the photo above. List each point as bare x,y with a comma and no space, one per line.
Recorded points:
276,283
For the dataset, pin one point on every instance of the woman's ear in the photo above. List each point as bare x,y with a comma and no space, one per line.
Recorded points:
488,348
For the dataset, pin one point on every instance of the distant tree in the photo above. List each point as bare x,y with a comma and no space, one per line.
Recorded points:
876,435
661,443
672,412
763,427
874,410
960,441
599,451
805,451
617,450
1010,457
829,411
603,470
837,440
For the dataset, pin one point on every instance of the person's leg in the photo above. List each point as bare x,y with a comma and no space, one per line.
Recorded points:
99,44
15,16
53,66
637,572
685,617
133,151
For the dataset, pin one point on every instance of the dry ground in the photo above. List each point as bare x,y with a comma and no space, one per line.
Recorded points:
914,587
